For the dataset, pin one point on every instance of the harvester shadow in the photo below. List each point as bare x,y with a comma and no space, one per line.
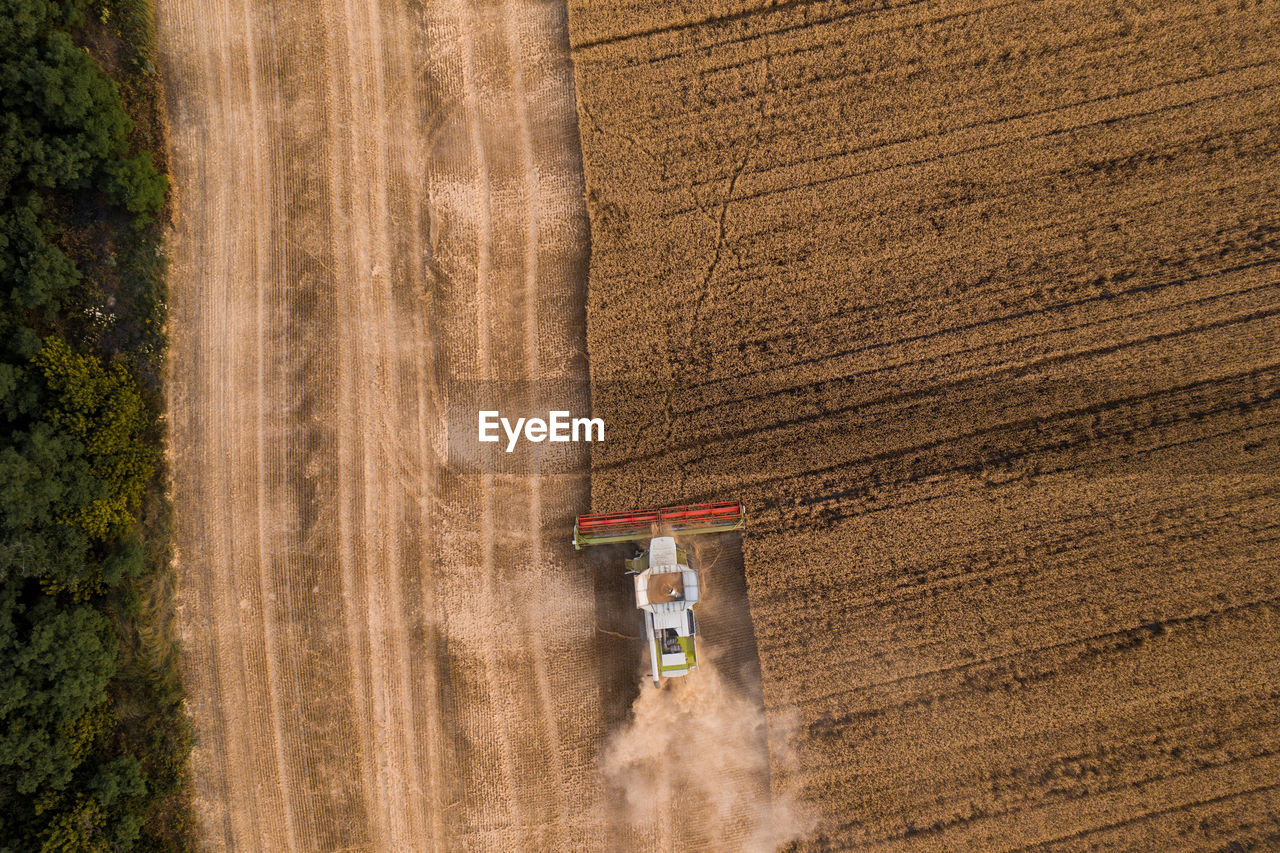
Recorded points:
619,643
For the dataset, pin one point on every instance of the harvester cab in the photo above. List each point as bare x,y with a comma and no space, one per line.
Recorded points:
666,582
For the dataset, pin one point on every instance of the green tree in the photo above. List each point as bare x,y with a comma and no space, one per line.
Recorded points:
55,663
64,116
102,816
36,275
134,184
42,475
78,829
101,408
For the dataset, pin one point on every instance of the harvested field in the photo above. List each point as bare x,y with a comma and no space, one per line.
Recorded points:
976,306
389,642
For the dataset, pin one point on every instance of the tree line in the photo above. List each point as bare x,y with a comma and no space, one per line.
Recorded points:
93,741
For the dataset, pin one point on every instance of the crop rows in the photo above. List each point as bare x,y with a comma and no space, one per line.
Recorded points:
977,308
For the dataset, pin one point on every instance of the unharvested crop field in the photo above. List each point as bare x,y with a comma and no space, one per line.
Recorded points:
976,305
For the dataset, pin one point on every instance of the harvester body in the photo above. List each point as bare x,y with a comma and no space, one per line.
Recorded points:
666,591
666,584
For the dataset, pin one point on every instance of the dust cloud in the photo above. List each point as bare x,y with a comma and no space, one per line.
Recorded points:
691,768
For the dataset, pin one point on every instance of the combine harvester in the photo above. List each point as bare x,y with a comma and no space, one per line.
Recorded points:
666,584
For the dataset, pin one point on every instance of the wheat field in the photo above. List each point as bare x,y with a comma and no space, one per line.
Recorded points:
976,306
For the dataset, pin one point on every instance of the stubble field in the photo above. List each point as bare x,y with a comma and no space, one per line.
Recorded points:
976,306
388,642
